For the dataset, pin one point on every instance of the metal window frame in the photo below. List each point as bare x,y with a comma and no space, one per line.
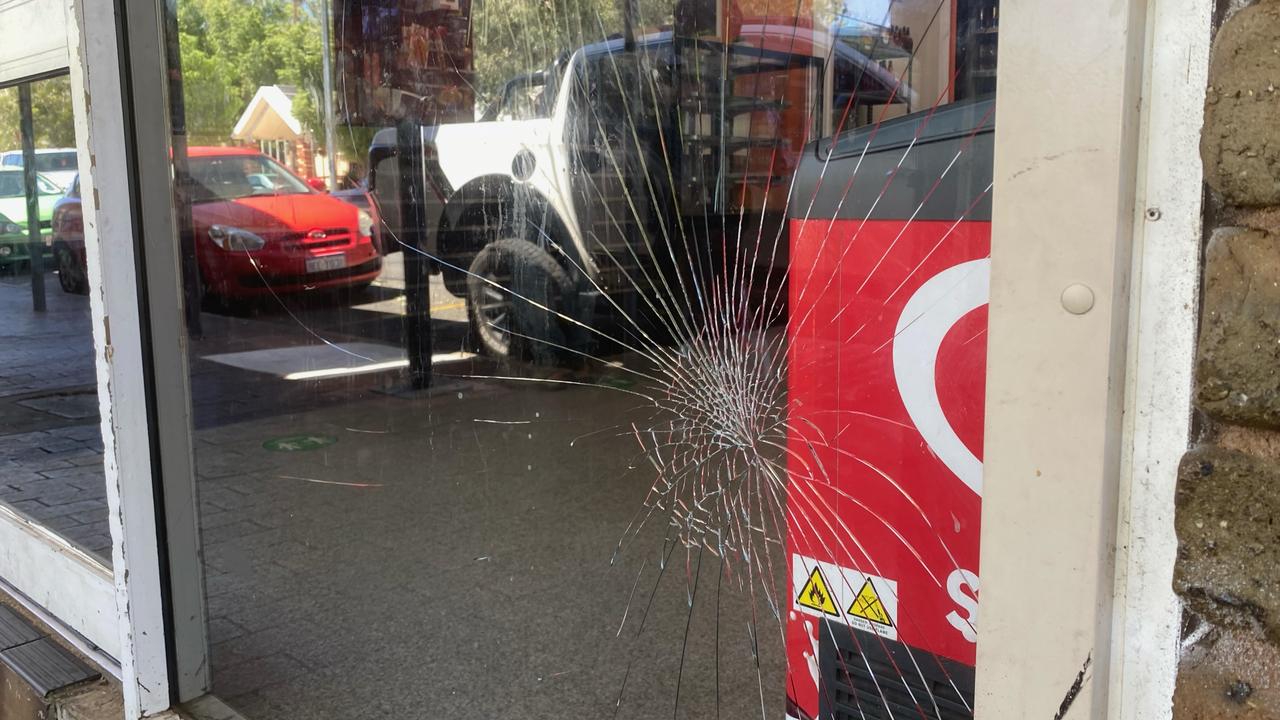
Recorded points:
1063,489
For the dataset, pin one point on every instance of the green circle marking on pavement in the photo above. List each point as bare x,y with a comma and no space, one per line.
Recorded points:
298,443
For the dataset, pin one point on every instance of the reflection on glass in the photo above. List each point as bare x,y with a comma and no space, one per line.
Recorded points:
631,368
50,444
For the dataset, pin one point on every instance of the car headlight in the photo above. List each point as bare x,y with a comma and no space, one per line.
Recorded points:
5,250
366,224
10,228
234,238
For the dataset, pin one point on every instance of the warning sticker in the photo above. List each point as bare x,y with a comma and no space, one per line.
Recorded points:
815,595
868,606
859,600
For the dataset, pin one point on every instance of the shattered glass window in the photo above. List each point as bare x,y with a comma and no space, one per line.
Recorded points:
588,358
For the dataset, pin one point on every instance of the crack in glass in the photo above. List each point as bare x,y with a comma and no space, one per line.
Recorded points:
703,209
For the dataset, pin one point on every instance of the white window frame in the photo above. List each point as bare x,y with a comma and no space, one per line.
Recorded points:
1161,348
1077,537
66,587
120,99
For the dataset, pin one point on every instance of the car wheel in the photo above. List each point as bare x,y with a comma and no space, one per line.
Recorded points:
70,277
515,293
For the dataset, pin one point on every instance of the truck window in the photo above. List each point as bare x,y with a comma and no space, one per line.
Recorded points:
525,98
889,63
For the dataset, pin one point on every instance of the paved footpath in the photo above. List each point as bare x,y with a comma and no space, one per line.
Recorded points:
50,445
441,554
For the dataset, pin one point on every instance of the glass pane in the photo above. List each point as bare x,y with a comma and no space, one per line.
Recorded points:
582,358
50,441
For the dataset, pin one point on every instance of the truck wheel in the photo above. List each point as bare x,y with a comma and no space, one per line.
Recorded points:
514,291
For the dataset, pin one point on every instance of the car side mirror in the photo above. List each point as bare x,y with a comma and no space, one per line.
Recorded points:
318,184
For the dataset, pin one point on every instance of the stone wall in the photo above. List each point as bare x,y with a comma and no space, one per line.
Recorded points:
1228,498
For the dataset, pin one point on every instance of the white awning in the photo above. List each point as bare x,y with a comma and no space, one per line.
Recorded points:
35,39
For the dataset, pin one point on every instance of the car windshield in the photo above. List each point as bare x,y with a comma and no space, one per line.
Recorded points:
229,177
11,185
56,161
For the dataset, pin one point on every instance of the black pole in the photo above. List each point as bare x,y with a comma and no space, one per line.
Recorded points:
629,25
35,245
417,291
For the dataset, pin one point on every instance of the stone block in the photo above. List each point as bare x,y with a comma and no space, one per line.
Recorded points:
1240,143
1238,358
1228,525
1228,675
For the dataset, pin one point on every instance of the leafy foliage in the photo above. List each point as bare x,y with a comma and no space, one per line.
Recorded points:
229,48
514,37
232,47
51,115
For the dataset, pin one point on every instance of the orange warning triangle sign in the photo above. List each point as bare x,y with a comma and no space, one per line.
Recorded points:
815,595
868,606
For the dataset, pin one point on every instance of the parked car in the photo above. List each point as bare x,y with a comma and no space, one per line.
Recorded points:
68,241
14,247
56,164
363,199
13,244
259,230
13,197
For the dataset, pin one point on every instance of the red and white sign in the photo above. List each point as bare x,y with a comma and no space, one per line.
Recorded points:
887,379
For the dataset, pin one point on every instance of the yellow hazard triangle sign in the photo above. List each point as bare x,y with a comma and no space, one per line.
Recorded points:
868,606
815,595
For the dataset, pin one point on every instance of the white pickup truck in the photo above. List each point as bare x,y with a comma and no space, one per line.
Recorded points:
582,180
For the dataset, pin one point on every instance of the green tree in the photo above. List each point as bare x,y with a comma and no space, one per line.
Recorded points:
230,48
51,115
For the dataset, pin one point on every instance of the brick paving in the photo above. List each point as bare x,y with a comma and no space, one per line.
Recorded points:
50,443
462,570
424,564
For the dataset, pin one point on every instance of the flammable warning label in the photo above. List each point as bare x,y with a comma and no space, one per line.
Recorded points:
815,595
860,600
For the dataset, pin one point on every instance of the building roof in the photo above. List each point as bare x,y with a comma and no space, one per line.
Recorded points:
269,116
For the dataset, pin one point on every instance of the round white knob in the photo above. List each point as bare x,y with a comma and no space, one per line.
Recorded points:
1077,299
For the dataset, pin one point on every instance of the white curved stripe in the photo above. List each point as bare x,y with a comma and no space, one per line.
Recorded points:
925,320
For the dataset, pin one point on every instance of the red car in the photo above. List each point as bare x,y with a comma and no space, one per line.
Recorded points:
259,230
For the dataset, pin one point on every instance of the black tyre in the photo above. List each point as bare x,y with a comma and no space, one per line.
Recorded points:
353,293
70,275
515,293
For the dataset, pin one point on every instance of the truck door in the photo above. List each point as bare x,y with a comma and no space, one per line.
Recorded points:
608,137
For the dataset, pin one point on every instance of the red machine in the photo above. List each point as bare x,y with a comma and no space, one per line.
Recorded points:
888,291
